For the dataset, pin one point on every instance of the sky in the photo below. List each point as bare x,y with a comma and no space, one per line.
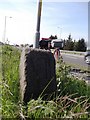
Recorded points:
57,18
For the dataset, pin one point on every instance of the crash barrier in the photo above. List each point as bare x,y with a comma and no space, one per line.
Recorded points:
37,74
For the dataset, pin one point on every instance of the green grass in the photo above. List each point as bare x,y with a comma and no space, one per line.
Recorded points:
72,52
62,107
69,83
72,98
77,66
10,81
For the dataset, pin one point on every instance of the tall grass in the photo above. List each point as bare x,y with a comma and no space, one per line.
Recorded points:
62,107
73,95
10,81
72,101
0,77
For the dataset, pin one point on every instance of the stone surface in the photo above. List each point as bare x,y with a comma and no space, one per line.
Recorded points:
37,70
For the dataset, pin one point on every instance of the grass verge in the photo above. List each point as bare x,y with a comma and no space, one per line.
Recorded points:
73,52
77,66
10,81
72,101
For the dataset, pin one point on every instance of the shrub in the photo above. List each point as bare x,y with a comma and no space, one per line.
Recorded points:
68,84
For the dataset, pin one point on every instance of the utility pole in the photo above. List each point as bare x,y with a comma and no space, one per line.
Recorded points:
5,28
37,35
28,72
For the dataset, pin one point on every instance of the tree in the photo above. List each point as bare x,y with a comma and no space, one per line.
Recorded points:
53,37
69,44
80,45
69,37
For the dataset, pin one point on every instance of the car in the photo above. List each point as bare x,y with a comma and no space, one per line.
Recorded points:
88,60
56,43
87,57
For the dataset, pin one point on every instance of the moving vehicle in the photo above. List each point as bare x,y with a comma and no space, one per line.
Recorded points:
87,57
56,43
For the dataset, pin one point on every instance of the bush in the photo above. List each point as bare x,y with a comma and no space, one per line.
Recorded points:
68,84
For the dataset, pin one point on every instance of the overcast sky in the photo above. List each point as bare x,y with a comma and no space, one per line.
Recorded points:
58,18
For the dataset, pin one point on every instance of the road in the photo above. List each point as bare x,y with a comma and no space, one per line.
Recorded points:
74,59
78,62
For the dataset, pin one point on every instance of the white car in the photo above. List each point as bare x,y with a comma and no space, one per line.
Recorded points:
87,57
88,60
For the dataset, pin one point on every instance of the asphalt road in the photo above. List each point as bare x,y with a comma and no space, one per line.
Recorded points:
74,59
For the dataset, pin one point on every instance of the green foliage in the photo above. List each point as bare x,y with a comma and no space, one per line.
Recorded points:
10,81
68,44
73,95
72,101
41,109
53,37
62,107
9,109
69,84
80,45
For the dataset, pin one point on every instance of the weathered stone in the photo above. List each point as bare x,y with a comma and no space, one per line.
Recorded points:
37,70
